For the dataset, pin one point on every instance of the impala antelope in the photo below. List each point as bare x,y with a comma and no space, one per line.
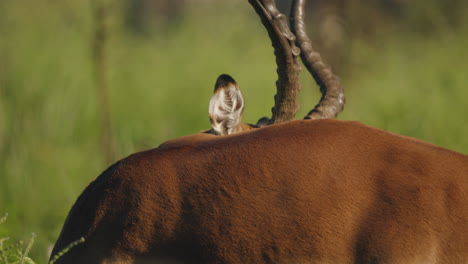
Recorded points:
308,191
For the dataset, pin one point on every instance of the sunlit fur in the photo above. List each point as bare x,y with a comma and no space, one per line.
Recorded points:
311,191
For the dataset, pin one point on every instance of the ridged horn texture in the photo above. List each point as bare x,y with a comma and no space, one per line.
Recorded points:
333,99
286,52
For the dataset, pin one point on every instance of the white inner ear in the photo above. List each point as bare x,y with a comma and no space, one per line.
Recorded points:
226,107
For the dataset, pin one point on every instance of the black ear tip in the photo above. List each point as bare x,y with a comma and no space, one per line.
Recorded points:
224,80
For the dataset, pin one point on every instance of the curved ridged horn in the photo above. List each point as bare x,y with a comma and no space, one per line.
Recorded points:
333,99
286,52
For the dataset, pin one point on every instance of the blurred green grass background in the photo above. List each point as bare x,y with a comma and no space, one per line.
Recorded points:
406,77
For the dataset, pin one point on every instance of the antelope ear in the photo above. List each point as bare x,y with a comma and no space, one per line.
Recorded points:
226,106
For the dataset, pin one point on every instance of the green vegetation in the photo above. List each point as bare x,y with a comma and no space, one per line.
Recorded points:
66,249
14,252
406,82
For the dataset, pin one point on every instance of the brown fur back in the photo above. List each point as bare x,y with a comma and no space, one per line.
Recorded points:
321,191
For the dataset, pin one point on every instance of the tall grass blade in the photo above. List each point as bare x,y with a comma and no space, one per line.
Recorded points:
65,250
